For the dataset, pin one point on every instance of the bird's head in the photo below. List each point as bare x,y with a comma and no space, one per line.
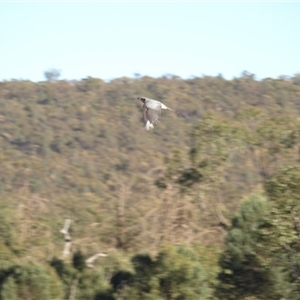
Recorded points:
142,99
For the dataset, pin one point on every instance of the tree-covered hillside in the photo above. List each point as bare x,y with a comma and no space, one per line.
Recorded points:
158,203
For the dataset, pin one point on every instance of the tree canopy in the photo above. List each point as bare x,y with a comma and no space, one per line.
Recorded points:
205,205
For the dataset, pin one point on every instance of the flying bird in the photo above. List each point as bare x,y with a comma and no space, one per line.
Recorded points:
151,111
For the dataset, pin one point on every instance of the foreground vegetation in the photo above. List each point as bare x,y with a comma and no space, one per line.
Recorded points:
205,206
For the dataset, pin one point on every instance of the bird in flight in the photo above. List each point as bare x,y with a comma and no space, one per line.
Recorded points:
151,111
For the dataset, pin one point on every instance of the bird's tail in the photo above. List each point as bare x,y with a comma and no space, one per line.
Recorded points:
175,111
166,107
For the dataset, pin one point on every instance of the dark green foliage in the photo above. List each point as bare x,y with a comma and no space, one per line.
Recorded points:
179,275
6,257
120,279
243,267
91,283
104,296
261,258
79,261
66,273
160,183
189,177
58,265
9,289
29,281
176,273
284,187
144,269
87,283
283,190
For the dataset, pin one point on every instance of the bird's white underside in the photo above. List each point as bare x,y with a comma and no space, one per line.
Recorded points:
149,125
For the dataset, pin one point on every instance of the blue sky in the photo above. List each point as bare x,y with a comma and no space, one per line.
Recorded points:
110,40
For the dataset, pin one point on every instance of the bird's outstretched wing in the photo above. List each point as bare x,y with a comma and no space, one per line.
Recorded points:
151,114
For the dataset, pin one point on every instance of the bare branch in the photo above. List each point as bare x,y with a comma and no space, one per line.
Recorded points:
68,240
90,260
